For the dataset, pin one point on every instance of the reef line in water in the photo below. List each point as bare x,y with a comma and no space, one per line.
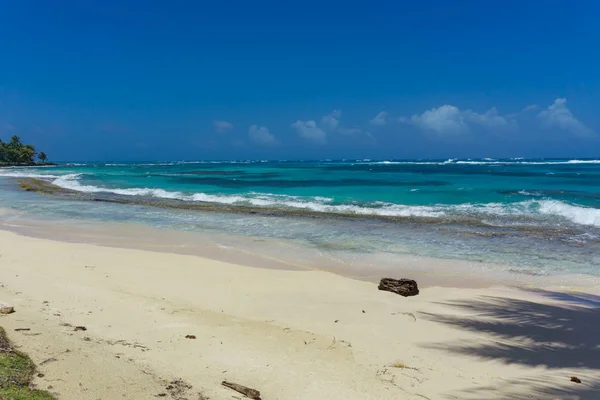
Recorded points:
51,190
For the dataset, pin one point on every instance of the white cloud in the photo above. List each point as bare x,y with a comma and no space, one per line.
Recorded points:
450,120
331,121
261,135
310,131
532,107
317,132
490,119
380,119
222,126
559,116
445,120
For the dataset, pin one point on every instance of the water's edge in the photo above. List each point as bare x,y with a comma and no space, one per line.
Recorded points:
268,253
360,219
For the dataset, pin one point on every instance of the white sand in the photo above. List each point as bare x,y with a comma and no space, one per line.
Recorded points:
290,334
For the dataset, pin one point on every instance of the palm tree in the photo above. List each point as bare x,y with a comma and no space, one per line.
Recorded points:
16,152
42,156
27,154
2,151
15,141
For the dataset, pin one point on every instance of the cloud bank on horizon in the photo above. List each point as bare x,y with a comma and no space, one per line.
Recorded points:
444,124
450,120
445,121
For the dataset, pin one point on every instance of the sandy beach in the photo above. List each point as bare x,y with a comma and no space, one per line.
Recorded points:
290,334
299,200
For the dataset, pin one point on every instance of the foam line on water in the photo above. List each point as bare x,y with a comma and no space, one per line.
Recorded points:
532,208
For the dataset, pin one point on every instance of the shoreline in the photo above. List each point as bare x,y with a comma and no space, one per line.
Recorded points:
263,252
290,334
563,251
52,190
49,189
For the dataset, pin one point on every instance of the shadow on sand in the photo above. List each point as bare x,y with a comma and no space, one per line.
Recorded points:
562,334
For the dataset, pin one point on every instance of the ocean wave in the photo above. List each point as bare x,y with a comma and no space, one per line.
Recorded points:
577,214
406,163
173,163
316,204
583,162
545,208
487,161
71,181
22,174
526,193
516,162
483,161
535,208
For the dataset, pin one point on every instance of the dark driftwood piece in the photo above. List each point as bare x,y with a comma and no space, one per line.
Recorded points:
246,391
403,287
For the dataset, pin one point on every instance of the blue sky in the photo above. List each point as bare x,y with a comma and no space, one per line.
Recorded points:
150,80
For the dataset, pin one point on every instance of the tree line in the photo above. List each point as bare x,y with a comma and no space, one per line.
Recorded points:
15,152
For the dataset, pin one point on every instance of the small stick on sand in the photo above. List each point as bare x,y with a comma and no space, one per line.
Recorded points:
246,391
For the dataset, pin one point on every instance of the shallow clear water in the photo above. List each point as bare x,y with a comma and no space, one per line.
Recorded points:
533,216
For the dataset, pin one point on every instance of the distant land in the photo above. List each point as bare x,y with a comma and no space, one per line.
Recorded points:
16,153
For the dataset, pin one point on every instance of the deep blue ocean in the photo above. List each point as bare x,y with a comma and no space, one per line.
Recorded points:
535,215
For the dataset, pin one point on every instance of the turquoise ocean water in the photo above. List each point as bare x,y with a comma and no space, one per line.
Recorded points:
536,216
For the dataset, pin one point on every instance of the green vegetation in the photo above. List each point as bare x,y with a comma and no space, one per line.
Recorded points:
16,373
14,152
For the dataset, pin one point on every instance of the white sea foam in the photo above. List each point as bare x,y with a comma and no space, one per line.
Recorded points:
171,163
489,161
318,204
583,162
483,162
71,181
526,193
577,214
532,208
574,213
23,174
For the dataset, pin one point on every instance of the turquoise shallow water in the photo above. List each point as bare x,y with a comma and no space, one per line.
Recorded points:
536,216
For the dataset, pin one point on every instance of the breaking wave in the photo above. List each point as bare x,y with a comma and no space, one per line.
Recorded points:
538,208
487,161
317,204
20,174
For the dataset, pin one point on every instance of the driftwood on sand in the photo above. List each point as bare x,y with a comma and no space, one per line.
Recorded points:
246,391
403,287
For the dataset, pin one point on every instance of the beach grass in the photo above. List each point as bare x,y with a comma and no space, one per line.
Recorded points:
16,374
